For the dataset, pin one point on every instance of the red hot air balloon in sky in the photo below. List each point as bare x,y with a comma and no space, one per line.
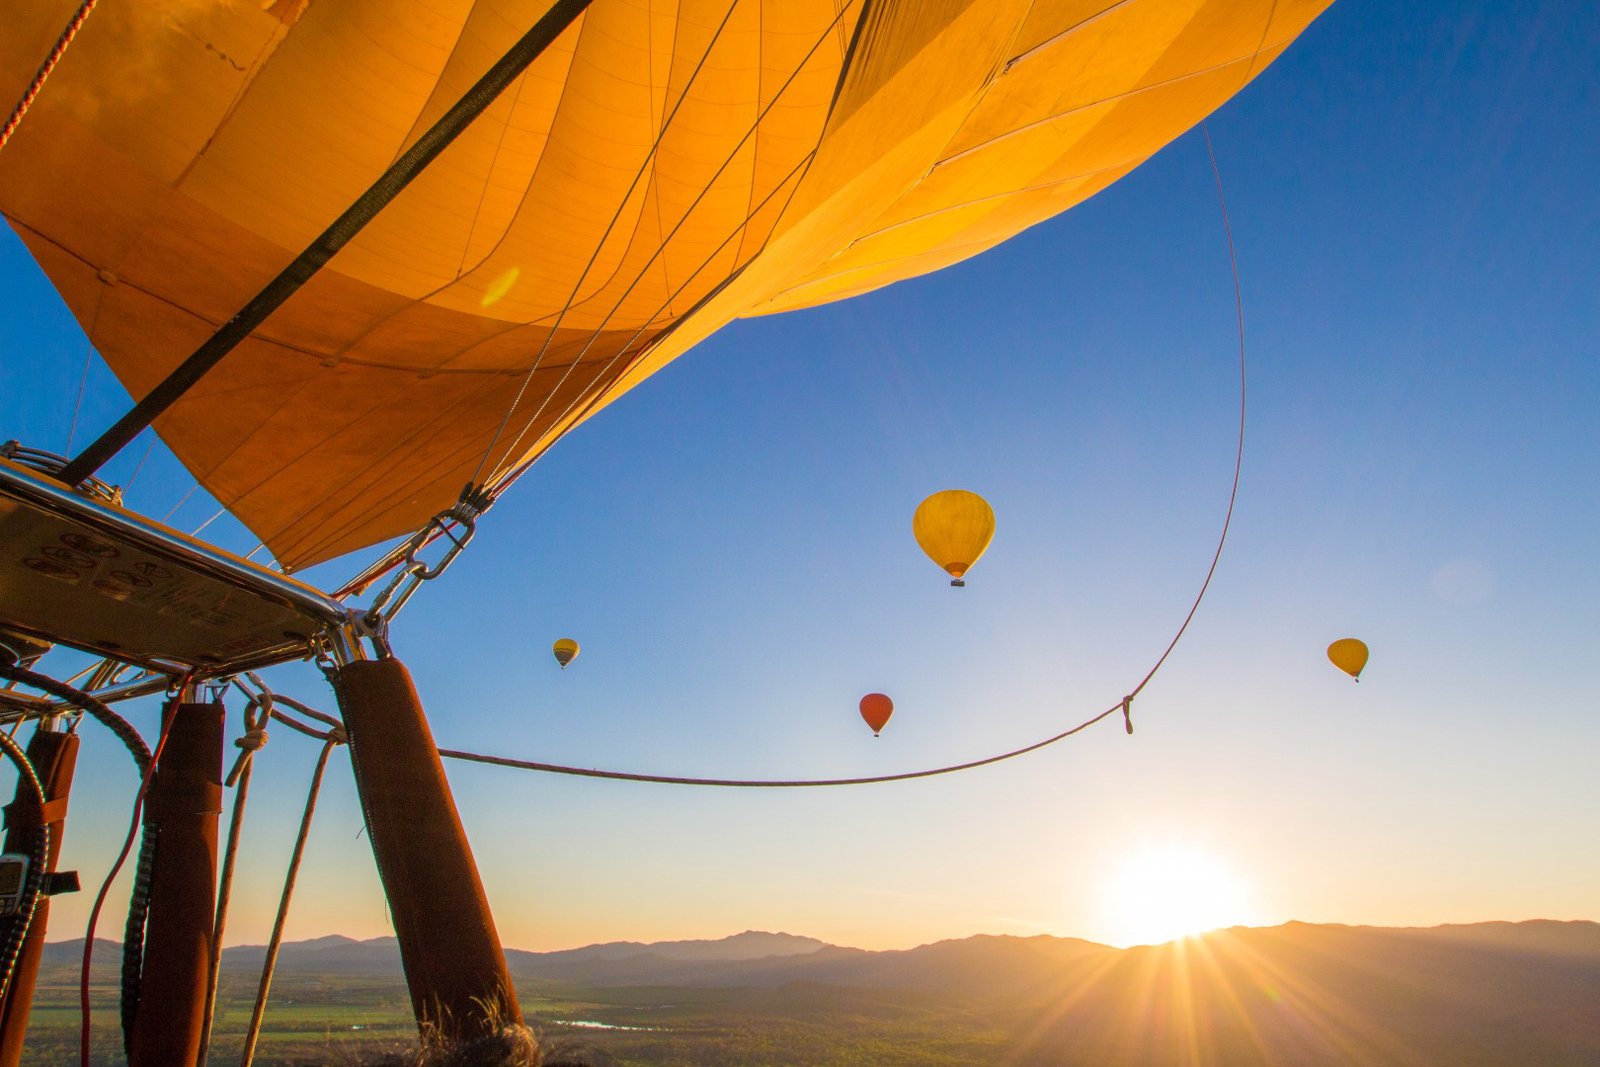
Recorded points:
876,709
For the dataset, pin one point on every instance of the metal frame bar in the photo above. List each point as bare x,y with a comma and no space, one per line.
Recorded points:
47,494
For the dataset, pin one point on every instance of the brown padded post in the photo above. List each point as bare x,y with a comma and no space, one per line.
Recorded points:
184,802
54,757
455,967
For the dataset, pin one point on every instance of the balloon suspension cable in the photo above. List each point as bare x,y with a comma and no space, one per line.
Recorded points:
32,91
639,175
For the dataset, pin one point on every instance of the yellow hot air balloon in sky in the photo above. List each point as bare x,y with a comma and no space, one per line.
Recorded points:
1349,655
565,650
954,528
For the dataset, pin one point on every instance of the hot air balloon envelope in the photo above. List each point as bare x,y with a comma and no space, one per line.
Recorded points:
658,171
565,650
1349,655
876,709
954,528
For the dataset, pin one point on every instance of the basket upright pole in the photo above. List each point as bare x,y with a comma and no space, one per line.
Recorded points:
455,967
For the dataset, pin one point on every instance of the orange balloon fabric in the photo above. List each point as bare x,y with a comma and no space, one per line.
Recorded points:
876,709
660,170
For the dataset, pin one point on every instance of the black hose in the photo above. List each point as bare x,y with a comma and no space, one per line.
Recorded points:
133,931
139,900
16,931
95,708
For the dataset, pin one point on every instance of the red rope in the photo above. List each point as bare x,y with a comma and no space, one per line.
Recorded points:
45,68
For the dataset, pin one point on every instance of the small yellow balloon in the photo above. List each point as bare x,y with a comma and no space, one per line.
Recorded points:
566,650
954,528
1349,655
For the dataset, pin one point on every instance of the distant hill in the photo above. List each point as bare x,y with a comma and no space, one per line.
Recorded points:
750,945
1469,995
381,955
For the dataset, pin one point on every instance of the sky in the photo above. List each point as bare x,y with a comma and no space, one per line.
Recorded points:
1418,229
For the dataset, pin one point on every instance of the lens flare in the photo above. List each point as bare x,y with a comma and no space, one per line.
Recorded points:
1170,891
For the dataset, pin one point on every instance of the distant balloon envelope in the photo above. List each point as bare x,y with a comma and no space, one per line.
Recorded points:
1349,655
876,709
565,651
954,528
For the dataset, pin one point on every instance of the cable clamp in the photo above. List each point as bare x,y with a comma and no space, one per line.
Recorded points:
1127,712
456,524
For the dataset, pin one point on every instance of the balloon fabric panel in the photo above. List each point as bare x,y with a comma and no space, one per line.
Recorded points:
664,167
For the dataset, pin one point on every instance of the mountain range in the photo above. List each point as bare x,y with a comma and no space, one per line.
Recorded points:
1484,993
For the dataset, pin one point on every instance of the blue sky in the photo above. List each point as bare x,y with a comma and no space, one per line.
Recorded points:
1413,198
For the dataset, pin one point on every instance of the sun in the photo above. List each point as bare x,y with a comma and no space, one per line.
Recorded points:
1162,893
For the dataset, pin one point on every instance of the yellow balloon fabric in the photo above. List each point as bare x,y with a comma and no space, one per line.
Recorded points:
664,167
566,650
954,528
1349,655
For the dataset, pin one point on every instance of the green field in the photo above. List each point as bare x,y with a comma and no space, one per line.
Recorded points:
350,1021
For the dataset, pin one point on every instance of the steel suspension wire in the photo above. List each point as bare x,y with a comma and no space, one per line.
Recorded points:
504,480
500,482
599,246
32,92
644,270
